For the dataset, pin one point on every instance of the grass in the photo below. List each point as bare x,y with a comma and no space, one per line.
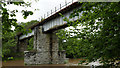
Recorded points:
13,58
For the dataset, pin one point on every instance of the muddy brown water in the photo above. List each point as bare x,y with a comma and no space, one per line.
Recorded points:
20,64
13,63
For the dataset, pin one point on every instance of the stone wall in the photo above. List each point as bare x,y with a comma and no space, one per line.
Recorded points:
29,57
32,58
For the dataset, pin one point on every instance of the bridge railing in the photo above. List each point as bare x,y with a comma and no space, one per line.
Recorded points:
52,12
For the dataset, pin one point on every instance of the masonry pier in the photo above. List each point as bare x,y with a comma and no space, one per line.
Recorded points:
46,49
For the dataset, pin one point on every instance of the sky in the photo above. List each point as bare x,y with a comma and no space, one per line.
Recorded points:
44,6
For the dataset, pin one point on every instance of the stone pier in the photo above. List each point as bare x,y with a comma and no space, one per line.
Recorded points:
23,45
46,49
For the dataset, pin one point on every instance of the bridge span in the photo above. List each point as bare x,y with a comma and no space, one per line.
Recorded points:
46,48
55,20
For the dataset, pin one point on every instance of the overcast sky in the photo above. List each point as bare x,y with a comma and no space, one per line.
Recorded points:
44,6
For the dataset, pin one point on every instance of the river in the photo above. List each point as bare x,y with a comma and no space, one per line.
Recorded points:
73,63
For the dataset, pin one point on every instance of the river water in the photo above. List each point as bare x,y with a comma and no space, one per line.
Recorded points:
73,63
21,63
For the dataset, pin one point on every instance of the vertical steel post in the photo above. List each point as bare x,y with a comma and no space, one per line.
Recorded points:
55,9
51,12
44,16
47,13
60,6
65,3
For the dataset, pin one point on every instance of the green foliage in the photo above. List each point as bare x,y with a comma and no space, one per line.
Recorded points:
28,24
30,46
96,32
7,23
10,58
69,43
9,41
8,45
9,36
26,13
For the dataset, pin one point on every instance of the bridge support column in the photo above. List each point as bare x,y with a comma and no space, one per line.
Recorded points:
55,49
22,45
42,46
58,57
46,49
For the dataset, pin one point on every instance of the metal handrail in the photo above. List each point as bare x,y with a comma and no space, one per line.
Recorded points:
56,10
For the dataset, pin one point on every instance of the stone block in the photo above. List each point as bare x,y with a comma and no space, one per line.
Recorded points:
29,57
43,57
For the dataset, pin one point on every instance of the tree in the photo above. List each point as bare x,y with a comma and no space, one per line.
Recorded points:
28,24
9,42
8,35
99,31
7,23
71,44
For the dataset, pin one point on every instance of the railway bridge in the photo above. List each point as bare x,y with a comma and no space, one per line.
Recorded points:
46,48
